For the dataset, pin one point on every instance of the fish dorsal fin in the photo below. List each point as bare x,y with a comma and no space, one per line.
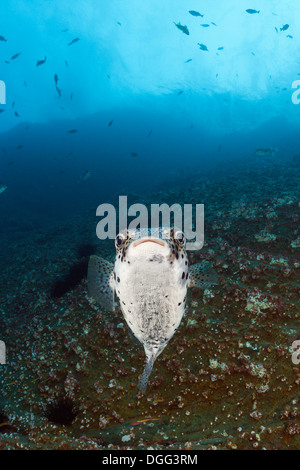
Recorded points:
202,276
100,282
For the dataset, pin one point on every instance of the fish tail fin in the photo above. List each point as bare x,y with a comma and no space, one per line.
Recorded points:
150,359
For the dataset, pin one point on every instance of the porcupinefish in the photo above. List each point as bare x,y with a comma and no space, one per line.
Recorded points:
150,277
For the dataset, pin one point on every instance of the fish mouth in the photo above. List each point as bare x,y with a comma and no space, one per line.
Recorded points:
148,239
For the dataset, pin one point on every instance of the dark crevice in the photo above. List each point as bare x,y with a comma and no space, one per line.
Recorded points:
62,412
5,425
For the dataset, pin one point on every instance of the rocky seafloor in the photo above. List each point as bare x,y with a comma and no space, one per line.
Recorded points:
225,381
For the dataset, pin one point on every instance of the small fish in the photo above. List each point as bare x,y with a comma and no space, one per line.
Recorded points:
20,147
150,277
72,131
220,48
2,110
3,187
86,175
179,93
187,61
182,28
56,78
64,30
252,12
149,133
58,91
17,114
205,25
276,29
203,47
118,22
66,62
214,23
110,123
2,38
15,56
41,62
134,154
285,27
73,41
195,13
289,36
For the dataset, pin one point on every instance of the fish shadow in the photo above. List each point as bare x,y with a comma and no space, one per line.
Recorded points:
77,272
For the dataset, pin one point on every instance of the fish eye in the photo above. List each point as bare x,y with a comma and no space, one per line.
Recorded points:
179,237
119,240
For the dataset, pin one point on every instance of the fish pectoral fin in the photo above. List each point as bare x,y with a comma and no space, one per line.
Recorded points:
202,276
100,282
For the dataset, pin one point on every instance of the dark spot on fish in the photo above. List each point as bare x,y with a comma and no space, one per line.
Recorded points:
183,275
118,279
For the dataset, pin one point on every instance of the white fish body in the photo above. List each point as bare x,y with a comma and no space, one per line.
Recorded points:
150,278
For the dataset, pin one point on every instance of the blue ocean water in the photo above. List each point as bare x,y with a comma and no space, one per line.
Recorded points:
171,101
146,102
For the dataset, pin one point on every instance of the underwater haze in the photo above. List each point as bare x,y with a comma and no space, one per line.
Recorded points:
174,105
189,102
